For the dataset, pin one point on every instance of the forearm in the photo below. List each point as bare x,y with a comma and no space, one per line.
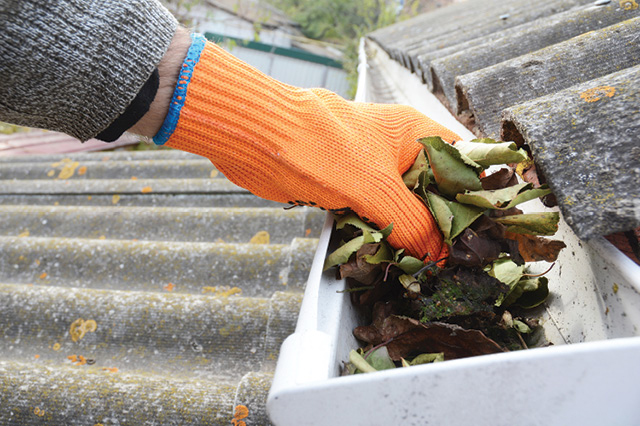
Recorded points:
168,69
75,66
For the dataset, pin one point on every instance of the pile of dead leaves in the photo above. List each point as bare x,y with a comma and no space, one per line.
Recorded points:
481,302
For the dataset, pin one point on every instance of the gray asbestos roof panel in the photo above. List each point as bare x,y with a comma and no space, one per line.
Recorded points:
488,91
586,141
485,57
191,285
505,45
502,18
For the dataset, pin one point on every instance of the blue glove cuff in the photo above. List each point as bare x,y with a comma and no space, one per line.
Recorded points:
180,93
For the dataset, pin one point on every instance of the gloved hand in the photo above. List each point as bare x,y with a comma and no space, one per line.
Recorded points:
304,146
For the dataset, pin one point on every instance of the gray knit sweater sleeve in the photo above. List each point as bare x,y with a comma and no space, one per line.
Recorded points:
75,65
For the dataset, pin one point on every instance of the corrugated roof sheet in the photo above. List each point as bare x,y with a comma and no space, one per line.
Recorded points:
133,290
46,142
559,76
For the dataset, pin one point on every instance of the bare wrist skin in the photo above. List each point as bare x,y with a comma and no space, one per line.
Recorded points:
168,70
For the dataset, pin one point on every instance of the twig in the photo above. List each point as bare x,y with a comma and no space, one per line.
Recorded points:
370,351
428,266
522,342
539,275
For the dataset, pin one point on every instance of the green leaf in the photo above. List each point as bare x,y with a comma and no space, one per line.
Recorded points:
380,360
453,172
343,253
506,271
503,199
410,283
521,327
452,218
386,231
428,358
487,152
424,179
443,216
532,224
410,265
410,177
384,254
535,293
353,220
360,363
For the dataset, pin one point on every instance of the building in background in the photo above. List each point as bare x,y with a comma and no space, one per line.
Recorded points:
263,36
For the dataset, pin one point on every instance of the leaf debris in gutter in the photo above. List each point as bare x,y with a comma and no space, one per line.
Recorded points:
481,301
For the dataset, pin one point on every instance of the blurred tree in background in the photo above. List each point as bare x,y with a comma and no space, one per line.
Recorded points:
339,22
344,22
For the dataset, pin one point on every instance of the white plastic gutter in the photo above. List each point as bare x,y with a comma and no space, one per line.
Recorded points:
589,376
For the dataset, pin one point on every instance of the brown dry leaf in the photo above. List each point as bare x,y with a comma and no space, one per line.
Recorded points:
501,179
408,337
534,248
360,270
473,249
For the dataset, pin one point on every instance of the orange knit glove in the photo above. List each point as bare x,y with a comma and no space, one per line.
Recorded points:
304,146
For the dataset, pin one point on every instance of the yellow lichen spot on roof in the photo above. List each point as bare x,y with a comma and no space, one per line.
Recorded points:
241,412
51,173
596,93
231,328
82,170
110,369
43,275
68,170
56,347
134,178
80,327
24,233
36,356
89,197
115,199
38,412
628,4
230,292
79,360
307,232
102,237
615,288
146,190
169,287
214,173
261,237
90,325
208,289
